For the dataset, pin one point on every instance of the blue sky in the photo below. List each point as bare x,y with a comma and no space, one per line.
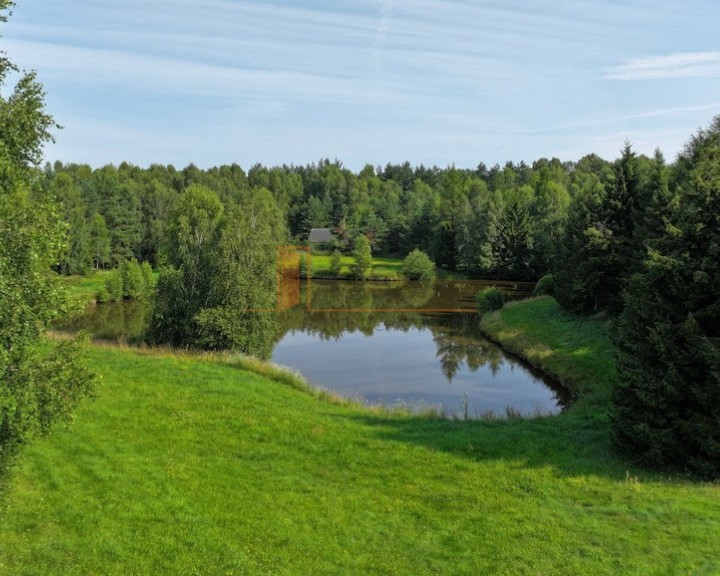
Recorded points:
434,82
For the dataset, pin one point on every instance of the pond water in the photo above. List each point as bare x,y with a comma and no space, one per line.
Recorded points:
386,344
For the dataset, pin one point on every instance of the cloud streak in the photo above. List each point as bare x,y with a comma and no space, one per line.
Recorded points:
678,65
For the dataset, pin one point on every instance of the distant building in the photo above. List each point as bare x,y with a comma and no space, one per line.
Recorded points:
320,235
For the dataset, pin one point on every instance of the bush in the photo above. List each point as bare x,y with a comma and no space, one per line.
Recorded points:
103,294
545,286
363,258
114,286
335,263
133,280
490,299
148,276
417,266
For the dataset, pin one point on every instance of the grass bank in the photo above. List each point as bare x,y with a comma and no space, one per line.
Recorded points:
188,464
574,350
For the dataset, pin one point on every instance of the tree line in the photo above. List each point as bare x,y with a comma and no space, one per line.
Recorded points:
502,222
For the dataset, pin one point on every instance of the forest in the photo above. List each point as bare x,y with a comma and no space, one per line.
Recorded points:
502,222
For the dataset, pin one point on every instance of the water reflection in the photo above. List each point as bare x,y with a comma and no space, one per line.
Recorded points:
372,348
394,356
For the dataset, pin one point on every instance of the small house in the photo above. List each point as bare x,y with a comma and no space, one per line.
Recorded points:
320,235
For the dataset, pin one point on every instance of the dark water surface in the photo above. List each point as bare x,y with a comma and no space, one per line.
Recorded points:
412,358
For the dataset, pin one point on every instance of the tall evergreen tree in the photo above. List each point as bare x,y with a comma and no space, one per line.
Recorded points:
600,247
667,409
513,250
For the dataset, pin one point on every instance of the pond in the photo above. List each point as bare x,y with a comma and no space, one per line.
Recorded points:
386,343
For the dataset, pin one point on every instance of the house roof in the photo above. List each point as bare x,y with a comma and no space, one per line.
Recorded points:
320,235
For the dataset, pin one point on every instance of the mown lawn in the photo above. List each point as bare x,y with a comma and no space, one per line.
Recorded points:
187,465
387,268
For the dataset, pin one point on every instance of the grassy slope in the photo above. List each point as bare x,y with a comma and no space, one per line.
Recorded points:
184,465
577,351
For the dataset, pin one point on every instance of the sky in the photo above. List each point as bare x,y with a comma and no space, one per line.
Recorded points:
430,82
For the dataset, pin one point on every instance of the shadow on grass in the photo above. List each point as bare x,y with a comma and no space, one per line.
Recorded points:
571,444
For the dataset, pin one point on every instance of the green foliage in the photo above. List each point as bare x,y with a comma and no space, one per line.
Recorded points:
362,256
601,246
303,265
99,241
190,250
103,294
133,280
490,299
129,280
39,383
667,406
418,266
219,269
335,263
114,287
148,277
513,248
545,286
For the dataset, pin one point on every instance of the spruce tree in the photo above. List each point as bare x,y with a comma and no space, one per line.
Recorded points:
667,409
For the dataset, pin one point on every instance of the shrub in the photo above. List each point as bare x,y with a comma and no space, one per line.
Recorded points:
103,294
303,265
490,299
114,286
148,276
417,266
545,286
335,263
133,282
363,258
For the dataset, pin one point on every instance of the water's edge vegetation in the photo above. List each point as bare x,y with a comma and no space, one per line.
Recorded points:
576,351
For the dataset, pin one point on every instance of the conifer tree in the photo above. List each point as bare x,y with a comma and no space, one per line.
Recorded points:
667,409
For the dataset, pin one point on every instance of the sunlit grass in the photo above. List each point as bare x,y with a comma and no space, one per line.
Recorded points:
382,268
85,288
214,464
577,351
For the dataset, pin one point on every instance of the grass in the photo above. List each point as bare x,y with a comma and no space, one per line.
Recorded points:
198,464
382,268
577,351
85,288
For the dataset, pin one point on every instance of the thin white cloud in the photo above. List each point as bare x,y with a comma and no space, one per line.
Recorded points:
678,65
637,116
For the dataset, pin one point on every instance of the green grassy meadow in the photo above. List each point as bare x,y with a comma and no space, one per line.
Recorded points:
189,464
382,268
85,288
